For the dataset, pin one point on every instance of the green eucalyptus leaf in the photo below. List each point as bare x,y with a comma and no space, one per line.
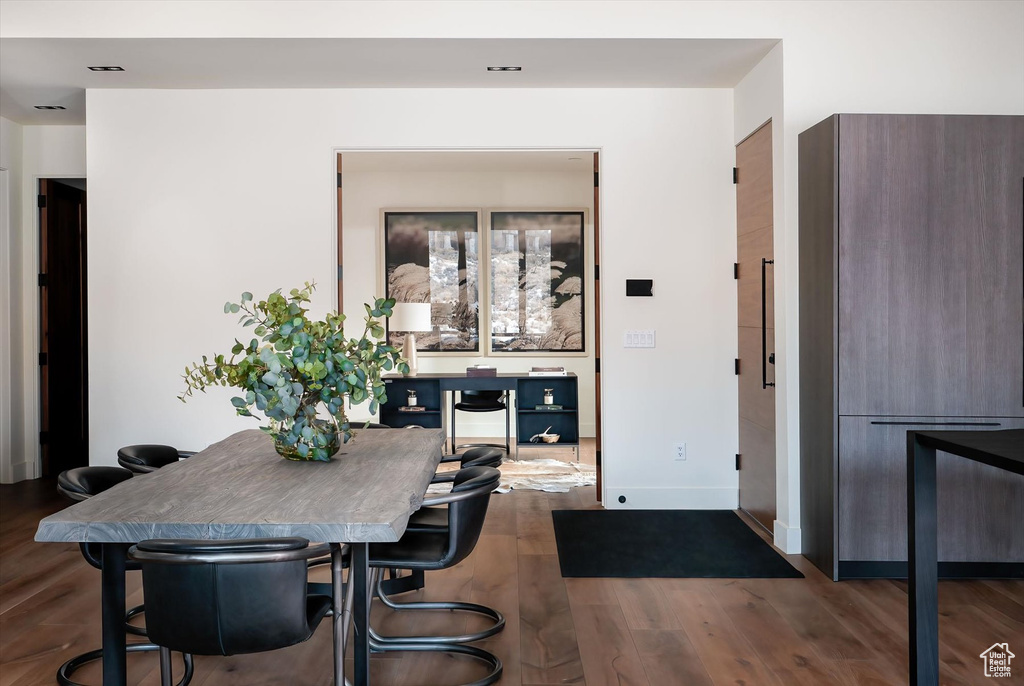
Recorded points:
328,367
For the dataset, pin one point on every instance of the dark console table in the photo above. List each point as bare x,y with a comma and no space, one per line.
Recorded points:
1000,449
529,393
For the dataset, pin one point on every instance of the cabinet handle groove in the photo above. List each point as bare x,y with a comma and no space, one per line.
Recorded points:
938,423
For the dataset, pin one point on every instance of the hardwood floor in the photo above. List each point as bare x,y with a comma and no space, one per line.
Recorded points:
627,632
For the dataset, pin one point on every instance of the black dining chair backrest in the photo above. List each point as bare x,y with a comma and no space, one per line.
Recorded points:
483,400
199,605
466,517
146,458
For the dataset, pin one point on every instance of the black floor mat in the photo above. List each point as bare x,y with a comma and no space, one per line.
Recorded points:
664,543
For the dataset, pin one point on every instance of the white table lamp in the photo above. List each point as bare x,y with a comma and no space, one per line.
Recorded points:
410,318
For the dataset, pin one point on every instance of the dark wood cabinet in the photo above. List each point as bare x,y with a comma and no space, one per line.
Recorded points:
981,507
911,310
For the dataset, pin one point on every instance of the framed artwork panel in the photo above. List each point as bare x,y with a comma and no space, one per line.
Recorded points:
433,256
536,271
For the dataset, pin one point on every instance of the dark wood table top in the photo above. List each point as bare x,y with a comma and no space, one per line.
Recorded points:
1003,449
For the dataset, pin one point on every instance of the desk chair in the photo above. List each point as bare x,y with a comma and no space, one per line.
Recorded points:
80,484
228,597
143,459
467,507
481,401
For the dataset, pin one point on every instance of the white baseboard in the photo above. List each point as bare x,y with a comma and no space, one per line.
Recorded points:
22,471
787,538
671,498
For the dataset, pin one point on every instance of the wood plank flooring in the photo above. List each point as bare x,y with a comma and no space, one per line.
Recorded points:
626,632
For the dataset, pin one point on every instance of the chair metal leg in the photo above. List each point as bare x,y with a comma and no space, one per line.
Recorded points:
382,644
165,666
455,448
488,658
508,435
69,667
128,616
498,626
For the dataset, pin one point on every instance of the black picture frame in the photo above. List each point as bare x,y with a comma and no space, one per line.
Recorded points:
535,271
434,256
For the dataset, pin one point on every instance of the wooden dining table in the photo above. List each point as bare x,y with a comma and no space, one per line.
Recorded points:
241,488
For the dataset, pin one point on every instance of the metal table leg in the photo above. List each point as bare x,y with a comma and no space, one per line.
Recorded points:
359,587
338,616
923,565
114,635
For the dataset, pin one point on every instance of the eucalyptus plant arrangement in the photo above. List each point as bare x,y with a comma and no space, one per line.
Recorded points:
298,373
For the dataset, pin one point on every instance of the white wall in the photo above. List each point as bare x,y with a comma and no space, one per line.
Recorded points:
30,153
962,56
196,196
10,312
367,192
47,152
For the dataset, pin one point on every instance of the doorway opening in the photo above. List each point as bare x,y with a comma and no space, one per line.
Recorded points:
375,184
63,326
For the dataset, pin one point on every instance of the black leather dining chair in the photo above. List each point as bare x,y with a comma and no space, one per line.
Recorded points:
146,458
228,597
481,401
82,483
477,457
436,518
432,550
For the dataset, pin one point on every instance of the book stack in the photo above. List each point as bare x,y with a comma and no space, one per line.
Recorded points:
547,371
481,370
547,407
413,408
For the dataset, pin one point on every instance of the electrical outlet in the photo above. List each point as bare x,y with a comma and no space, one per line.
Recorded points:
680,452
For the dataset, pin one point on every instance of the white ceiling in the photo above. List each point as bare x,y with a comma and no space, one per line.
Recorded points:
52,71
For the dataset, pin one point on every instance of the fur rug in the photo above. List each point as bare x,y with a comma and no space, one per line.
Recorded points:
553,476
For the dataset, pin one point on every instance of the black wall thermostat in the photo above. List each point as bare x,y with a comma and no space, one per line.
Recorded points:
640,287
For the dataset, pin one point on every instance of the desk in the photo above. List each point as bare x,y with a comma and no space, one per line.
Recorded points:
529,393
1000,449
241,488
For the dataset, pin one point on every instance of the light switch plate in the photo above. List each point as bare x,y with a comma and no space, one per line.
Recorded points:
642,338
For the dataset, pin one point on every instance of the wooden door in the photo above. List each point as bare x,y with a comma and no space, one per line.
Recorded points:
64,417
930,273
755,274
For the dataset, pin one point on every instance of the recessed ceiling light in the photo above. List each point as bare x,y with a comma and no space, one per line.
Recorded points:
504,68
50,107
111,68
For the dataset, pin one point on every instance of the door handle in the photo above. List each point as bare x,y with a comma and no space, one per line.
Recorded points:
764,325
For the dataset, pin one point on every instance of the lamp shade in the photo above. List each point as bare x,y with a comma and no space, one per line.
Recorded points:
410,317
